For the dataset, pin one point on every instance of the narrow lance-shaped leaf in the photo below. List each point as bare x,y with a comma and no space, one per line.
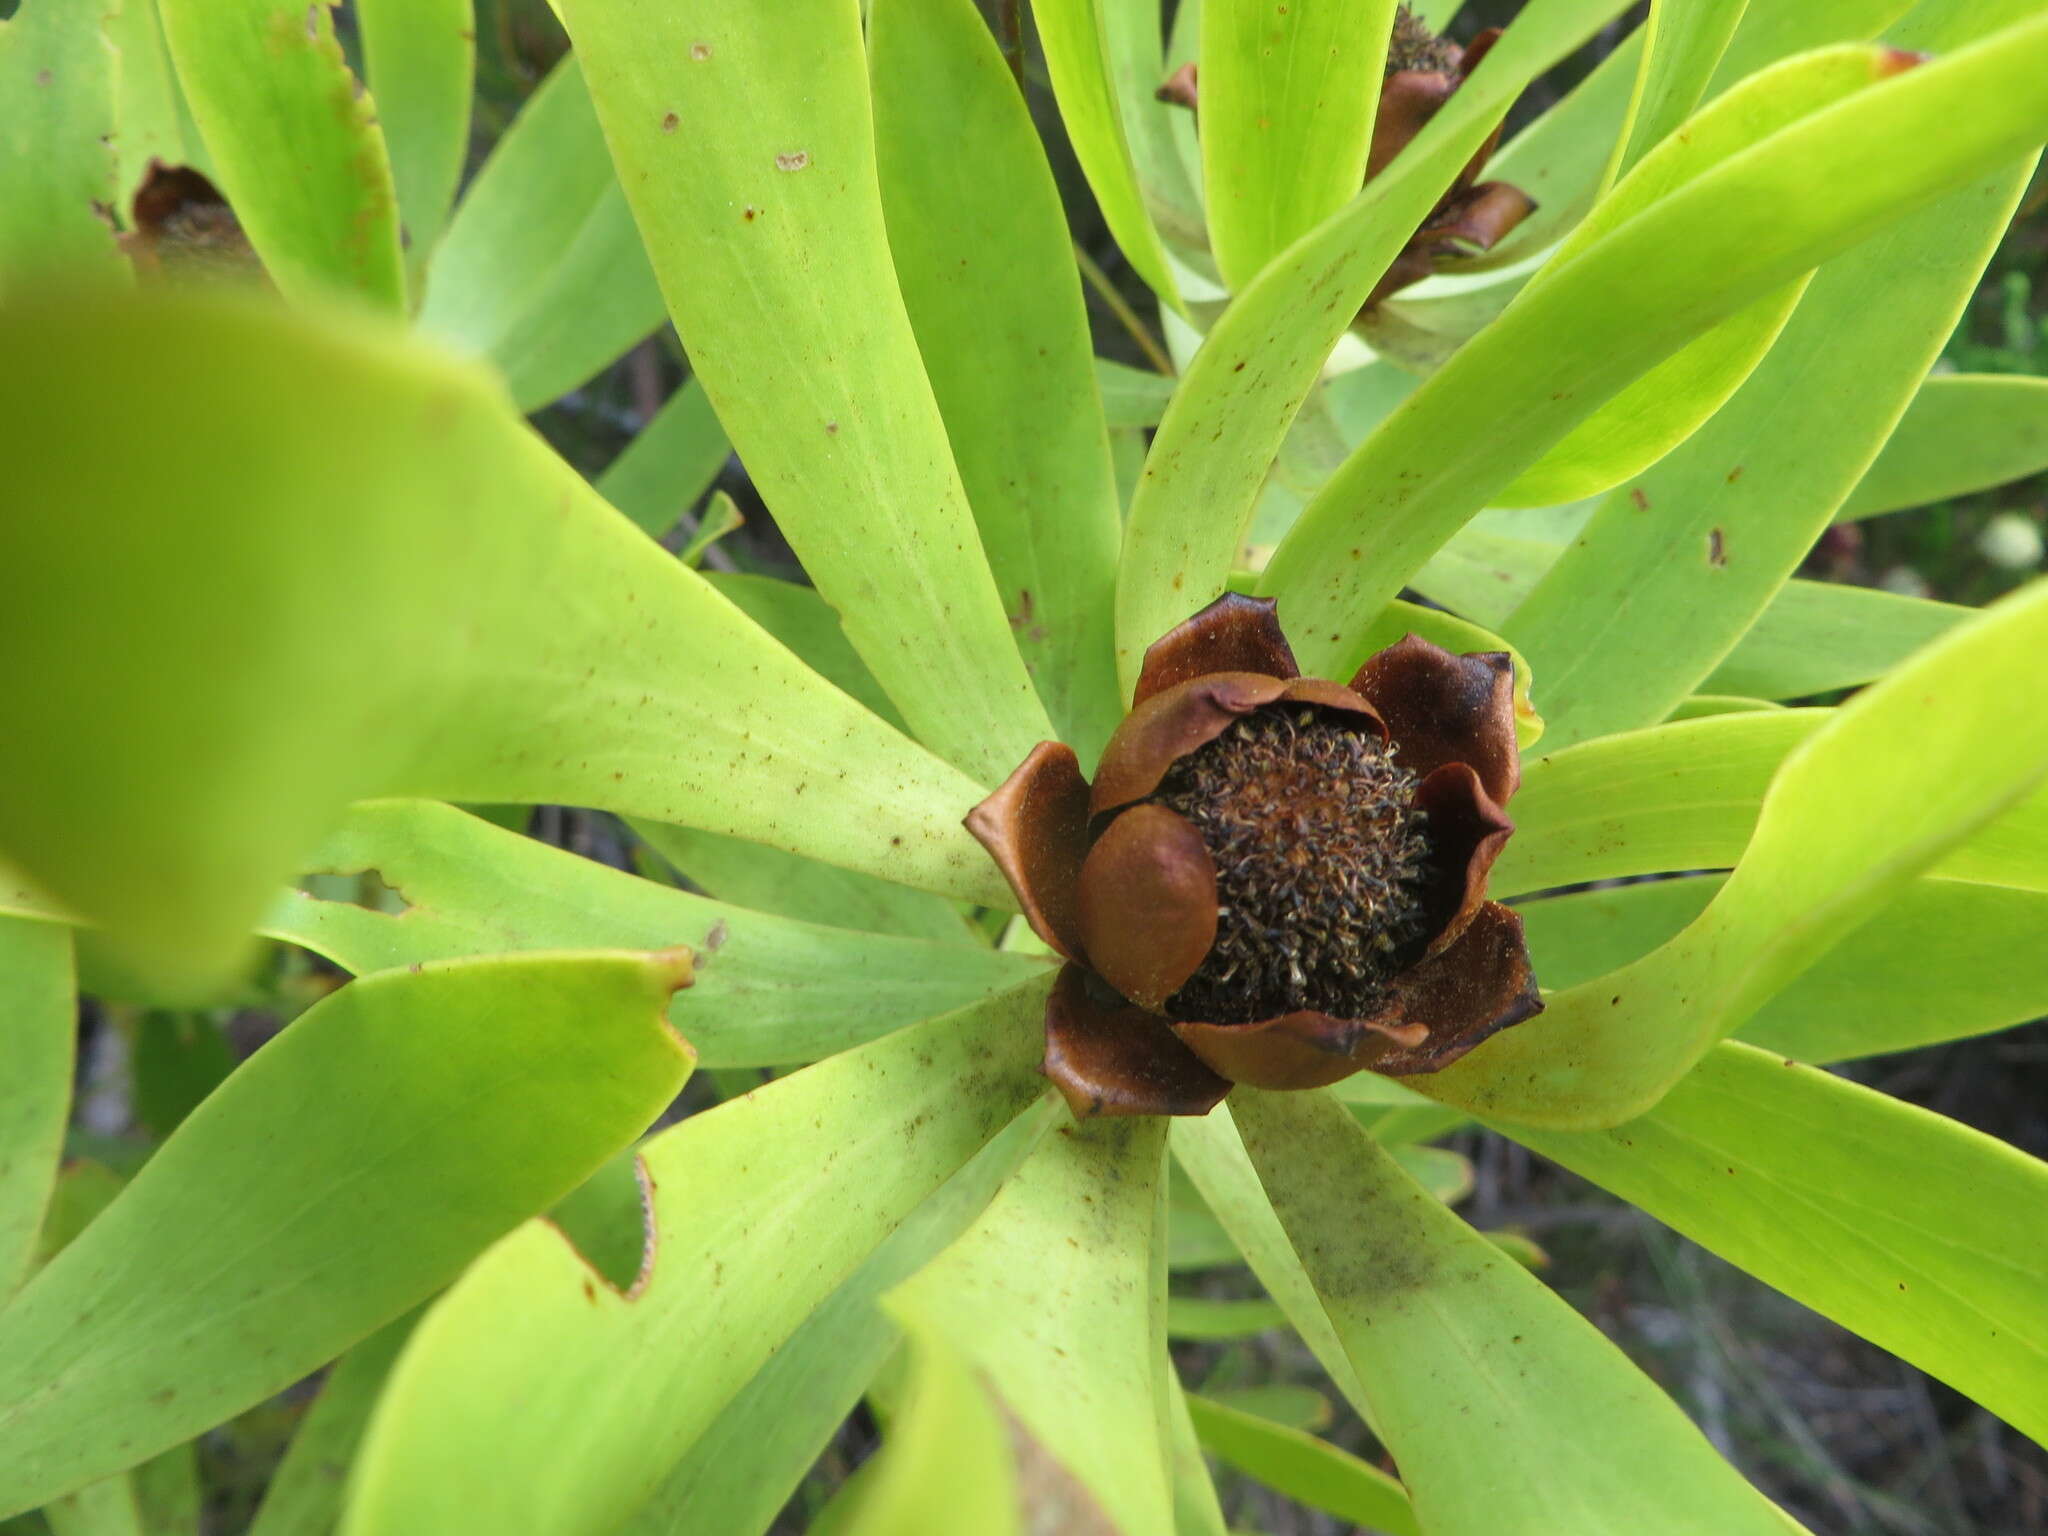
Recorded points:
1685,40
541,270
1305,1469
745,141
1946,959
1225,424
1741,504
150,122
1213,1154
1158,134
1055,1296
670,462
1666,404
38,1025
1924,1236
1508,1413
1075,38
946,1467
995,301
1813,636
1848,822
1288,96
420,57
741,1473
58,100
483,1091
294,143
1685,796
573,661
766,879
839,1154
303,1496
769,991
1962,433
1700,254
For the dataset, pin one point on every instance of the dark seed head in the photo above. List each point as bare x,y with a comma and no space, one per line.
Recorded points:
1318,852
1414,46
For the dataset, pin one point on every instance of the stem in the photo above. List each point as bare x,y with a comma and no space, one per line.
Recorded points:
1126,316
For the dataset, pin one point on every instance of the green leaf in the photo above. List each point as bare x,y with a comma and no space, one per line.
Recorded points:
1711,248
1920,1234
1700,705
149,107
768,992
1561,158
83,1189
1674,797
58,100
1684,40
946,1468
294,143
1075,38
405,1122
1849,821
1132,397
1196,1511
745,142
1818,636
1159,135
167,1493
1746,498
1663,407
1288,97
303,1497
722,516
574,662
178,1059
420,57
670,462
105,1508
743,1470
38,1029
840,1153
1305,1469
1509,1414
1770,32
1055,1296
802,620
995,301
541,270
1205,1317
1942,961
1812,637
1242,391
766,879
1962,433
1685,796
1211,1151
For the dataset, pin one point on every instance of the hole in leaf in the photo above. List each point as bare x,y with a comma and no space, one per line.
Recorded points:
609,1220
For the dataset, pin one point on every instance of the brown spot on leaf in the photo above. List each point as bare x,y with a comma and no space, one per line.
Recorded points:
670,122
1636,495
794,161
700,51
715,938
1717,548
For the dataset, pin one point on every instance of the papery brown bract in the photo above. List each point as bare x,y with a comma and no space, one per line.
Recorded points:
1125,889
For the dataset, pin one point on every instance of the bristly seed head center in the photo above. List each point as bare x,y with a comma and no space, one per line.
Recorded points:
1319,857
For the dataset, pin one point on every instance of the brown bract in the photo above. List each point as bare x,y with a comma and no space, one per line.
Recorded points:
1472,215
1125,889
1423,72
